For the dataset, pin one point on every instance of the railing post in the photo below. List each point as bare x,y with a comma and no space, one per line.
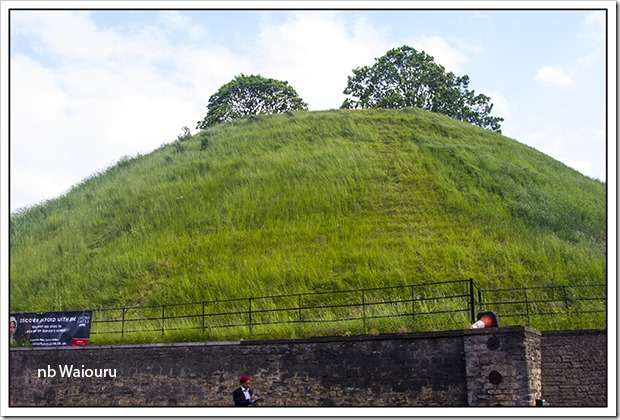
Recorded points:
527,306
299,305
364,310
471,301
412,303
203,316
123,323
162,319
250,314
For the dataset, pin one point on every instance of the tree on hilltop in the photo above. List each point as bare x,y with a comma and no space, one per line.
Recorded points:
404,77
250,95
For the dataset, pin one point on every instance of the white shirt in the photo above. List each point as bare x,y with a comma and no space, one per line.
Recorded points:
246,392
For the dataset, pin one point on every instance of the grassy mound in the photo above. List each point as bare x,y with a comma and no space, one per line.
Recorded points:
311,201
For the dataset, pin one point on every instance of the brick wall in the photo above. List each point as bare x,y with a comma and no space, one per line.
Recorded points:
574,368
419,369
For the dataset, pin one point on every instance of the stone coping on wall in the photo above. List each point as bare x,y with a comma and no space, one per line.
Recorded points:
575,332
125,346
502,330
361,337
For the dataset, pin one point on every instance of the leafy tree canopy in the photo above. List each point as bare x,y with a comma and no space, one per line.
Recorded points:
404,77
250,95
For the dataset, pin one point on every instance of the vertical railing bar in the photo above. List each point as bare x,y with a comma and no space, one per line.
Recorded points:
527,306
566,304
413,303
163,328
123,323
203,316
472,307
299,305
364,309
250,314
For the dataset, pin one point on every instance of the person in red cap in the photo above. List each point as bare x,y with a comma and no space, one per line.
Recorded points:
243,396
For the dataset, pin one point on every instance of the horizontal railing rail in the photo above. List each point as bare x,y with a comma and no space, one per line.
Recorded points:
426,306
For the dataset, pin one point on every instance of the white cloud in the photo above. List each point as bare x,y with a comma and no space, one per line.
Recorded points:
36,93
583,166
593,35
554,75
581,148
205,69
593,28
452,58
501,104
315,52
66,35
86,98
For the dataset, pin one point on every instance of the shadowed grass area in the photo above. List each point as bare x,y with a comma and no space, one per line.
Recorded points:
310,202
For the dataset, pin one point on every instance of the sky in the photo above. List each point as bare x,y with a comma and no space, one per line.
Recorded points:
89,87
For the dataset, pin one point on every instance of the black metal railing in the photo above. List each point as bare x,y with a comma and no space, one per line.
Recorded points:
420,307
563,307
454,300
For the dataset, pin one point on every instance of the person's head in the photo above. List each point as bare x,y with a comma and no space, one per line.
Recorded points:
12,326
245,381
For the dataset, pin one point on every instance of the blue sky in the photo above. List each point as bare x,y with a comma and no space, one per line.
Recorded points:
89,87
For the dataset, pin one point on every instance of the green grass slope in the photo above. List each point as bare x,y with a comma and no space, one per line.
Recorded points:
311,201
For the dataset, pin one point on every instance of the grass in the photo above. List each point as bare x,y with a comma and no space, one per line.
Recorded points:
310,202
